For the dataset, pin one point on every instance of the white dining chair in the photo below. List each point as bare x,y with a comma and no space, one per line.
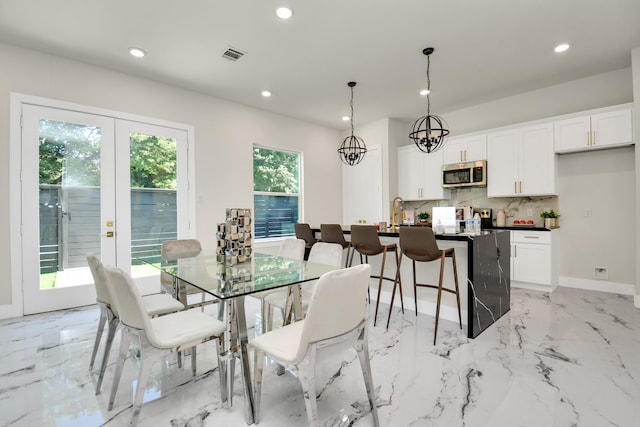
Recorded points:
172,250
321,253
151,338
337,313
154,305
289,248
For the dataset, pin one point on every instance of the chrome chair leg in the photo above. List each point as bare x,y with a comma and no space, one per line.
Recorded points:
307,377
125,340
258,366
101,323
111,333
362,348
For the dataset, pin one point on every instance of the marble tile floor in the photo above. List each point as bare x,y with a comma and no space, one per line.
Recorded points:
567,359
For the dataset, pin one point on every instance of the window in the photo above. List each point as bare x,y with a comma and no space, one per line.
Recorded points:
276,192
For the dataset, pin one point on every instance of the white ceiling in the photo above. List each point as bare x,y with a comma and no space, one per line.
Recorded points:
485,50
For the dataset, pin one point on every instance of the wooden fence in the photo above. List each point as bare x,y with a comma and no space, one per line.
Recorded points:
70,224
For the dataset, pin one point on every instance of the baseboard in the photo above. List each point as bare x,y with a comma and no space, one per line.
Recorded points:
424,307
532,286
9,311
600,285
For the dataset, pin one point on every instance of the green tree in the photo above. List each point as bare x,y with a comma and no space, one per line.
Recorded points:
275,171
70,155
153,161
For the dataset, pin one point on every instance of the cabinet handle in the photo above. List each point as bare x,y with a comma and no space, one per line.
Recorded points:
515,186
521,186
588,138
465,155
515,251
461,155
593,140
531,237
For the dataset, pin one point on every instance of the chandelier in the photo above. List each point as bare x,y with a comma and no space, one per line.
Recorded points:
428,131
353,148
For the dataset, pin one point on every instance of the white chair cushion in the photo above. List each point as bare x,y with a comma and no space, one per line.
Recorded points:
281,343
161,304
184,328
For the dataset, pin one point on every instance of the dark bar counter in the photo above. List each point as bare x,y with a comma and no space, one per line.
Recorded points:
488,275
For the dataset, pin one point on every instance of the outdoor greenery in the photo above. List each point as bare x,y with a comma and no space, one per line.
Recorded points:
276,171
70,155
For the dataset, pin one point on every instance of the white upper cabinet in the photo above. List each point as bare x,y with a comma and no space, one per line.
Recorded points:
419,174
594,131
465,149
521,162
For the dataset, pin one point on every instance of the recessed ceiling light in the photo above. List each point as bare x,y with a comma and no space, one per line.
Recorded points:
266,93
284,12
137,52
424,92
561,48
345,118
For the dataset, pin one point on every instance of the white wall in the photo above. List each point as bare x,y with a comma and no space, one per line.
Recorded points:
604,182
597,91
224,134
635,64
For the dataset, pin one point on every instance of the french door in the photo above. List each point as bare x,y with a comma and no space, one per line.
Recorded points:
95,183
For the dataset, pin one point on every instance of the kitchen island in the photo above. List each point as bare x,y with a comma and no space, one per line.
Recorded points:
483,260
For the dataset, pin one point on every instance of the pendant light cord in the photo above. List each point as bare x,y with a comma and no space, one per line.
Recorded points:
351,104
428,86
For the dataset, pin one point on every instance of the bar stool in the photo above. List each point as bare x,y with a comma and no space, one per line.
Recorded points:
365,240
332,233
303,231
419,244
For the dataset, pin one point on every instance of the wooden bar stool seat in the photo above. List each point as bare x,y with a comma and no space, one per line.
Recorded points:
304,232
365,241
332,233
419,244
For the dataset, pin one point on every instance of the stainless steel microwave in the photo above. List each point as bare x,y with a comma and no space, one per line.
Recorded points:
468,174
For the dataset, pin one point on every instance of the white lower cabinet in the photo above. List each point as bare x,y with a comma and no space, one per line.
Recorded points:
534,259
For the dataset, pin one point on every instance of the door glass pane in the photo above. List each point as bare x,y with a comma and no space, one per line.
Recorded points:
69,201
154,216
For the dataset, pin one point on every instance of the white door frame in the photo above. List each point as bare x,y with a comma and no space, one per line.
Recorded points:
15,307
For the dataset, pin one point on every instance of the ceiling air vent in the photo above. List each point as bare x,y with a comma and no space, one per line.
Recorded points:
233,54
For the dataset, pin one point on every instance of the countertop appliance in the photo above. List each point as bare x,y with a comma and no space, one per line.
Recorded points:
485,217
466,174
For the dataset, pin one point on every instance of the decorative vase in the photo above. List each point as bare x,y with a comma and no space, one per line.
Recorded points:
551,222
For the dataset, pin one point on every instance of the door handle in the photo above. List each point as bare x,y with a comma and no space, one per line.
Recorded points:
109,234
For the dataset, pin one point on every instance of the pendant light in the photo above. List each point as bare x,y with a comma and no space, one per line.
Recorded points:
353,148
428,131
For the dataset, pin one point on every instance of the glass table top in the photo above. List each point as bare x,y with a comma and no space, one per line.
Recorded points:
224,280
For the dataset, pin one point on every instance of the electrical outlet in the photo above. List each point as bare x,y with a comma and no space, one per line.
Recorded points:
600,273
529,212
587,212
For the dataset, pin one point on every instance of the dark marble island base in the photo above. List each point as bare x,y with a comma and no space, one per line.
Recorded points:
488,284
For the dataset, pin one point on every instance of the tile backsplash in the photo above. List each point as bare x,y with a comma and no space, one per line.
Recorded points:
520,208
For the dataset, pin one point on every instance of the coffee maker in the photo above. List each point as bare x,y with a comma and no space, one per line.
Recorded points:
485,217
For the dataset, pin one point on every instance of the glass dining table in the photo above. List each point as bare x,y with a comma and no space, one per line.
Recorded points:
231,283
